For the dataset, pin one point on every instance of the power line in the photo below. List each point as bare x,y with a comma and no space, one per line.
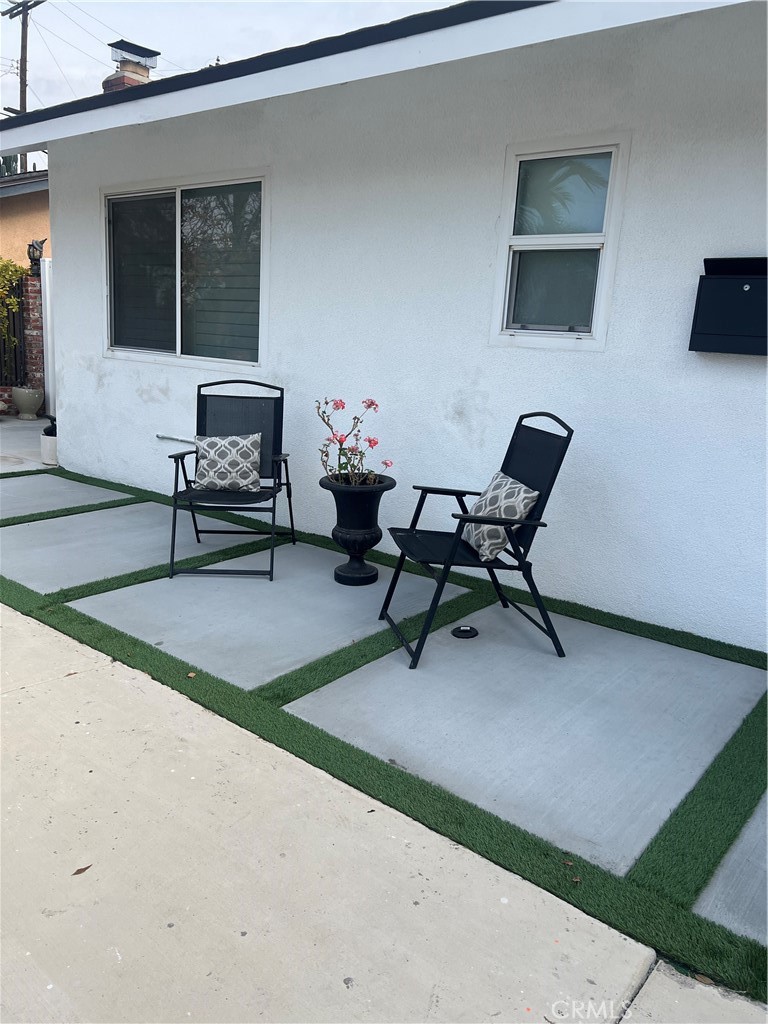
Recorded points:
57,7
53,57
84,52
35,95
111,29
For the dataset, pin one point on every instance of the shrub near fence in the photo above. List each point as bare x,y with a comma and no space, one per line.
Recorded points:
12,361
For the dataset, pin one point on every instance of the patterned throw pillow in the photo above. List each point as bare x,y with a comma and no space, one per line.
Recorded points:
228,463
503,498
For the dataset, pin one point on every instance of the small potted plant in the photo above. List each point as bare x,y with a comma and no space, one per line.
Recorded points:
356,489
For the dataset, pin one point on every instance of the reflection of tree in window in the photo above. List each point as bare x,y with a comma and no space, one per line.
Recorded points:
562,195
220,271
143,272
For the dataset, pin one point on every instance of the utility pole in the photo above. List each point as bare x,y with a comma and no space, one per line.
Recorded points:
22,9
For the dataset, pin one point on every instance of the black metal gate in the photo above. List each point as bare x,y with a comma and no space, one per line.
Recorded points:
12,347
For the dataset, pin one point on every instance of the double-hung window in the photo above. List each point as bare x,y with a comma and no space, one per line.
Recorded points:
185,271
557,255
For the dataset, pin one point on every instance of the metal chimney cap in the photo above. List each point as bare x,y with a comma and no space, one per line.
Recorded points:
123,50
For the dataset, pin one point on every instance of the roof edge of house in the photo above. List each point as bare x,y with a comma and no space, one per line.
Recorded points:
357,39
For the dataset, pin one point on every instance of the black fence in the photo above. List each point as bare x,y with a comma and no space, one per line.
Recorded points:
12,346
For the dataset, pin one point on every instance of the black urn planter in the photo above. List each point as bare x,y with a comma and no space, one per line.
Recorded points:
357,526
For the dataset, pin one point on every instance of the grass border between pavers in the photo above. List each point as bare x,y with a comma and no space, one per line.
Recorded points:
647,904
685,853
572,609
72,510
639,912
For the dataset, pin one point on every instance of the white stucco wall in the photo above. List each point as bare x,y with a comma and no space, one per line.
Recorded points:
384,203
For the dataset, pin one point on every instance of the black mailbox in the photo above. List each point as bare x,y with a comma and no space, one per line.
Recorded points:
730,314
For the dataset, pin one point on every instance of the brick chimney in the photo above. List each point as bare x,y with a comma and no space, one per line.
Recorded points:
133,64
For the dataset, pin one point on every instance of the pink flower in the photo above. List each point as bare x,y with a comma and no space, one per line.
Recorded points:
371,441
353,449
330,440
386,463
341,438
371,403
339,403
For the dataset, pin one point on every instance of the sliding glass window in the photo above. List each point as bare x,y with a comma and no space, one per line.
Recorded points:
208,239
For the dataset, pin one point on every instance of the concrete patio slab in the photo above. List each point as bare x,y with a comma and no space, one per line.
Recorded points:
229,881
248,630
56,553
591,752
669,997
736,895
20,444
25,495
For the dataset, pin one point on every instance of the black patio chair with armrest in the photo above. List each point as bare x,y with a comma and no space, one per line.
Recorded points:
533,458
236,415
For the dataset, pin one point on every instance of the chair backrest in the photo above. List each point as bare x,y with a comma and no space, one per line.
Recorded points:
534,457
250,412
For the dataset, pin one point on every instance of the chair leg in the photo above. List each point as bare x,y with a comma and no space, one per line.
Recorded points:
551,632
272,541
173,541
430,616
392,585
497,587
289,494
194,524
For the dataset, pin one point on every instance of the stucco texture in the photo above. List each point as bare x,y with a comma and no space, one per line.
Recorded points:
383,200
24,218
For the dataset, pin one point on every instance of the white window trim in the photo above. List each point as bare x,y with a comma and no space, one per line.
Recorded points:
618,143
176,184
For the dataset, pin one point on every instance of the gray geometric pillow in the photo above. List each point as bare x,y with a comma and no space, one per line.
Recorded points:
503,498
228,463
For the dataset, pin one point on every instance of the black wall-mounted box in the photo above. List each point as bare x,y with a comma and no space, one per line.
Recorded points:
730,314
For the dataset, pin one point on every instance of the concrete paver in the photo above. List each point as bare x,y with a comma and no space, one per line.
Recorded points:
55,553
669,997
621,723
250,631
25,495
229,881
736,893
20,444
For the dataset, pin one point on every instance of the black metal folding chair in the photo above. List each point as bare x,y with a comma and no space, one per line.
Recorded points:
534,458
225,415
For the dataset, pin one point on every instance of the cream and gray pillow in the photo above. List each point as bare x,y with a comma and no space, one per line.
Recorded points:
228,463
503,498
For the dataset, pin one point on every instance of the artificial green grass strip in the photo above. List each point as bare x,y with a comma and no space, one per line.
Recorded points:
639,912
622,623
94,481
319,673
154,572
163,499
73,510
662,634
24,472
673,930
682,857
17,596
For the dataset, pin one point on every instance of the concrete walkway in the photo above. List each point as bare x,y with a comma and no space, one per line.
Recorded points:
225,880
20,444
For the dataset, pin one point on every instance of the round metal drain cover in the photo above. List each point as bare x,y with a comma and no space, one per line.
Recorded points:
464,632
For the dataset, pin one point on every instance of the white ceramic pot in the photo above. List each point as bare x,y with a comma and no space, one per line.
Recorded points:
48,450
27,401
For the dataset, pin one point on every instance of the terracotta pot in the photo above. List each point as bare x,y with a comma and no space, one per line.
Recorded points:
357,527
27,401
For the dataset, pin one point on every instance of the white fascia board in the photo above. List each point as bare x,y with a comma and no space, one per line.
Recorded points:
506,31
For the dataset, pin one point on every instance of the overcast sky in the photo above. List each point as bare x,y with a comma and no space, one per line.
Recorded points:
69,56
